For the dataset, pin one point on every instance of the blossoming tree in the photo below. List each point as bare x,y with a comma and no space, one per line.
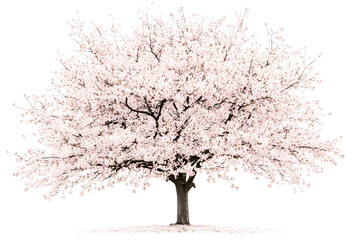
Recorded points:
171,100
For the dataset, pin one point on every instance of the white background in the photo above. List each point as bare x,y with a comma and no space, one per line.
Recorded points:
31,32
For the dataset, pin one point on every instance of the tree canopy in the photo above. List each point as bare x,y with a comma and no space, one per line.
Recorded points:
181,95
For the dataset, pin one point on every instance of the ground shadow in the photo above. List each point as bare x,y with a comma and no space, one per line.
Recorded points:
181,229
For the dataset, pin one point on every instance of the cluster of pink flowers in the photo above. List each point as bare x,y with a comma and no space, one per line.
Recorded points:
183,95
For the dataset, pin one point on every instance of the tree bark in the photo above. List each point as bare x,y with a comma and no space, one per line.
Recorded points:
183,187
182,205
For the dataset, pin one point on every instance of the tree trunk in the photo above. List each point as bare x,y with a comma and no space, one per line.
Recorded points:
182,205
183,187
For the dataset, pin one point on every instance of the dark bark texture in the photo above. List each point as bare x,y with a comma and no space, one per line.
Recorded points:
183,187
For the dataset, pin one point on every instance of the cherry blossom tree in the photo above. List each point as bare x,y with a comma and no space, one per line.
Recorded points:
173,99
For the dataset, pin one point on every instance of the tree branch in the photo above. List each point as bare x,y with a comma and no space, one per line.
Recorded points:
138,111
190,183
181,129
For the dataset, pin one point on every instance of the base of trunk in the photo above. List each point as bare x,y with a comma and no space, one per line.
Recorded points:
178,223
